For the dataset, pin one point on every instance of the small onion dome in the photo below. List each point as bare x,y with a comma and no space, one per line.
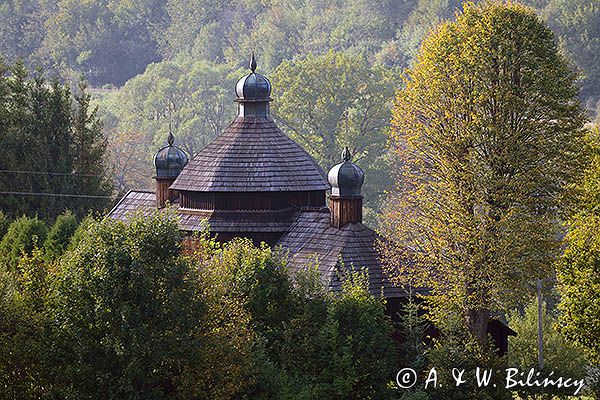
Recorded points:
346,178
253,86
170,160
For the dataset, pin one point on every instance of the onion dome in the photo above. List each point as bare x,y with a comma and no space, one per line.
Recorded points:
253,87
346,178
170,160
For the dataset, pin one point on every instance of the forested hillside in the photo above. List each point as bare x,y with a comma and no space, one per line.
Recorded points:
174,62
111,41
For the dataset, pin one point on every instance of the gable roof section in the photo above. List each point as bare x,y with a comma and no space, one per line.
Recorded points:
252,155
134,201
311,239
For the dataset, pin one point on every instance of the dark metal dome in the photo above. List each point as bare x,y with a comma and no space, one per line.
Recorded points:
170,160
253,86
346,178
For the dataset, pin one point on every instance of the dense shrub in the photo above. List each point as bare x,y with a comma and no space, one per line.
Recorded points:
124,313
23,235
60,234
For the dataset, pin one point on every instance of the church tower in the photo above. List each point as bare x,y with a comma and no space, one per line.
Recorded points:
252,179
346,200
169,161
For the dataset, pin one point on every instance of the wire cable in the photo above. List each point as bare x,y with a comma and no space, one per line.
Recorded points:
86,196
48,173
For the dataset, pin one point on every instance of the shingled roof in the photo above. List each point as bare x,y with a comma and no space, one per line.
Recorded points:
252,155
141,201
312,240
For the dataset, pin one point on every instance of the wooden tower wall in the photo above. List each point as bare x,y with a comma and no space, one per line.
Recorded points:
163,193
345,211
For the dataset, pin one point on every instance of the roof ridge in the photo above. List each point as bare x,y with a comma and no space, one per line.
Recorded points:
141,191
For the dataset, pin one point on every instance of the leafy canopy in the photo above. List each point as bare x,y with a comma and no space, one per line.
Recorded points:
126,312
488,136
335,100
579,267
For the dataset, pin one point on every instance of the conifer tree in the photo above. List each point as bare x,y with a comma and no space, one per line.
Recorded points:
53,151
89,146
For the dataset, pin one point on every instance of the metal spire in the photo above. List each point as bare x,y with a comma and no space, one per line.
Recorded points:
346,155
171,138
252,63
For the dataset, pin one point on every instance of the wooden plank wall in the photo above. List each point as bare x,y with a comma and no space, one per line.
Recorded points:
344,211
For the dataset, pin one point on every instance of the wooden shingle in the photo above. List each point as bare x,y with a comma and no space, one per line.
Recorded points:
312,240
252,155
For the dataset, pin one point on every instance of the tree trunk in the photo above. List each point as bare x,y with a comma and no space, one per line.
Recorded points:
477,323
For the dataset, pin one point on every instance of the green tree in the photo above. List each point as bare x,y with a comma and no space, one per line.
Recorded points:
328,102
307,343
357,354
24,235
106,41
412,328
48,144
488,135
88,151
579,267
576,25
22,29
424,16
126,311
23,337
36,132
279,30
458,349
560,354
59,235
191,21
229,336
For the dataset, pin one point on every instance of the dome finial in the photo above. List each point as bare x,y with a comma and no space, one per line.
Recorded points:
346,178
252,63
170,160
346,155
171,138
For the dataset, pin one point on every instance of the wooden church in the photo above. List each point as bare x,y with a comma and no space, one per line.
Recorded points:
253,181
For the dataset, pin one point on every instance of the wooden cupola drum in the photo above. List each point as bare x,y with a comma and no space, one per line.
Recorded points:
346,200
169,161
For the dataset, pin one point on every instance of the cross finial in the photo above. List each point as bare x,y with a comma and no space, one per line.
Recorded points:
171,138
346,155
252,63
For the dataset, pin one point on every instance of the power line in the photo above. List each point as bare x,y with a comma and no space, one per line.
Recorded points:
87,196
48,173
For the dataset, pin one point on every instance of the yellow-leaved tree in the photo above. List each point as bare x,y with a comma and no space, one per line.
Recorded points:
487,135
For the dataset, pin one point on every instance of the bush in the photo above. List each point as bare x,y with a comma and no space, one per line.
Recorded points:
60,234
309,343
23,236
23,335
458,349
126,313
579,284
560,354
